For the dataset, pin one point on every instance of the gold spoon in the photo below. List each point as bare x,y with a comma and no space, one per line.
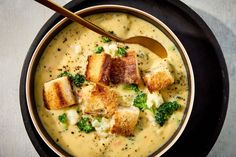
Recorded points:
147,42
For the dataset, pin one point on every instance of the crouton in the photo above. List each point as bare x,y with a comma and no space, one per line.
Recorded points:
124,120
158,78
99,101
98,68
58,93
125,69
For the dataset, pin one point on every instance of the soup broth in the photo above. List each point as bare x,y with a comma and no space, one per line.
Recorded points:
69,51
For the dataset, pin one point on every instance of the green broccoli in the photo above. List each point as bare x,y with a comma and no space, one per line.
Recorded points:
132,86
65,73
77,79
121,51
62,118
84,125
140,101
164,112
105,39
99,49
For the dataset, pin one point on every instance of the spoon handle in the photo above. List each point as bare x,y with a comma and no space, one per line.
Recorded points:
72,16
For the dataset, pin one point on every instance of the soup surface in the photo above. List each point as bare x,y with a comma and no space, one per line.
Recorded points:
69,51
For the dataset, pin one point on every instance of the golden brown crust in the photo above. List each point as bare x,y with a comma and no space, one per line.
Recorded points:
58,94
125,120
101,102
98,68
61,100
117,71
125,69
88,68
44,100
158,80
105,76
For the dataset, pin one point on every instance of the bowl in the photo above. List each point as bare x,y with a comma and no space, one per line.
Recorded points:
29,88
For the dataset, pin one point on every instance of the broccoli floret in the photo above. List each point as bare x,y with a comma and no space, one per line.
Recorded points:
65,73
140,101
77,79
99,49
164,112
152,109
121,51
105,39
132,86
84,125
62,118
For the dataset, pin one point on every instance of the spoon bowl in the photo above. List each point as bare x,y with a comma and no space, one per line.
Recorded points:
149,43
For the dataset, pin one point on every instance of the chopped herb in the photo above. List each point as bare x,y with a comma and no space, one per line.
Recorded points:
84,125
62,118
140,101
121,51
78,80
65,73
99,49
105,39
164,112
132,86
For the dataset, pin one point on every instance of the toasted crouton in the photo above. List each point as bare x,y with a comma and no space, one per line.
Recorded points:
58,94
125,69
99,101
98,68
158,78
124,120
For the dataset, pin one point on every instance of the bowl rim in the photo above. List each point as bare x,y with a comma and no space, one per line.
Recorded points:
110,8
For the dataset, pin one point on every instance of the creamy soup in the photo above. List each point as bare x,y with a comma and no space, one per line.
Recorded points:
69,51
